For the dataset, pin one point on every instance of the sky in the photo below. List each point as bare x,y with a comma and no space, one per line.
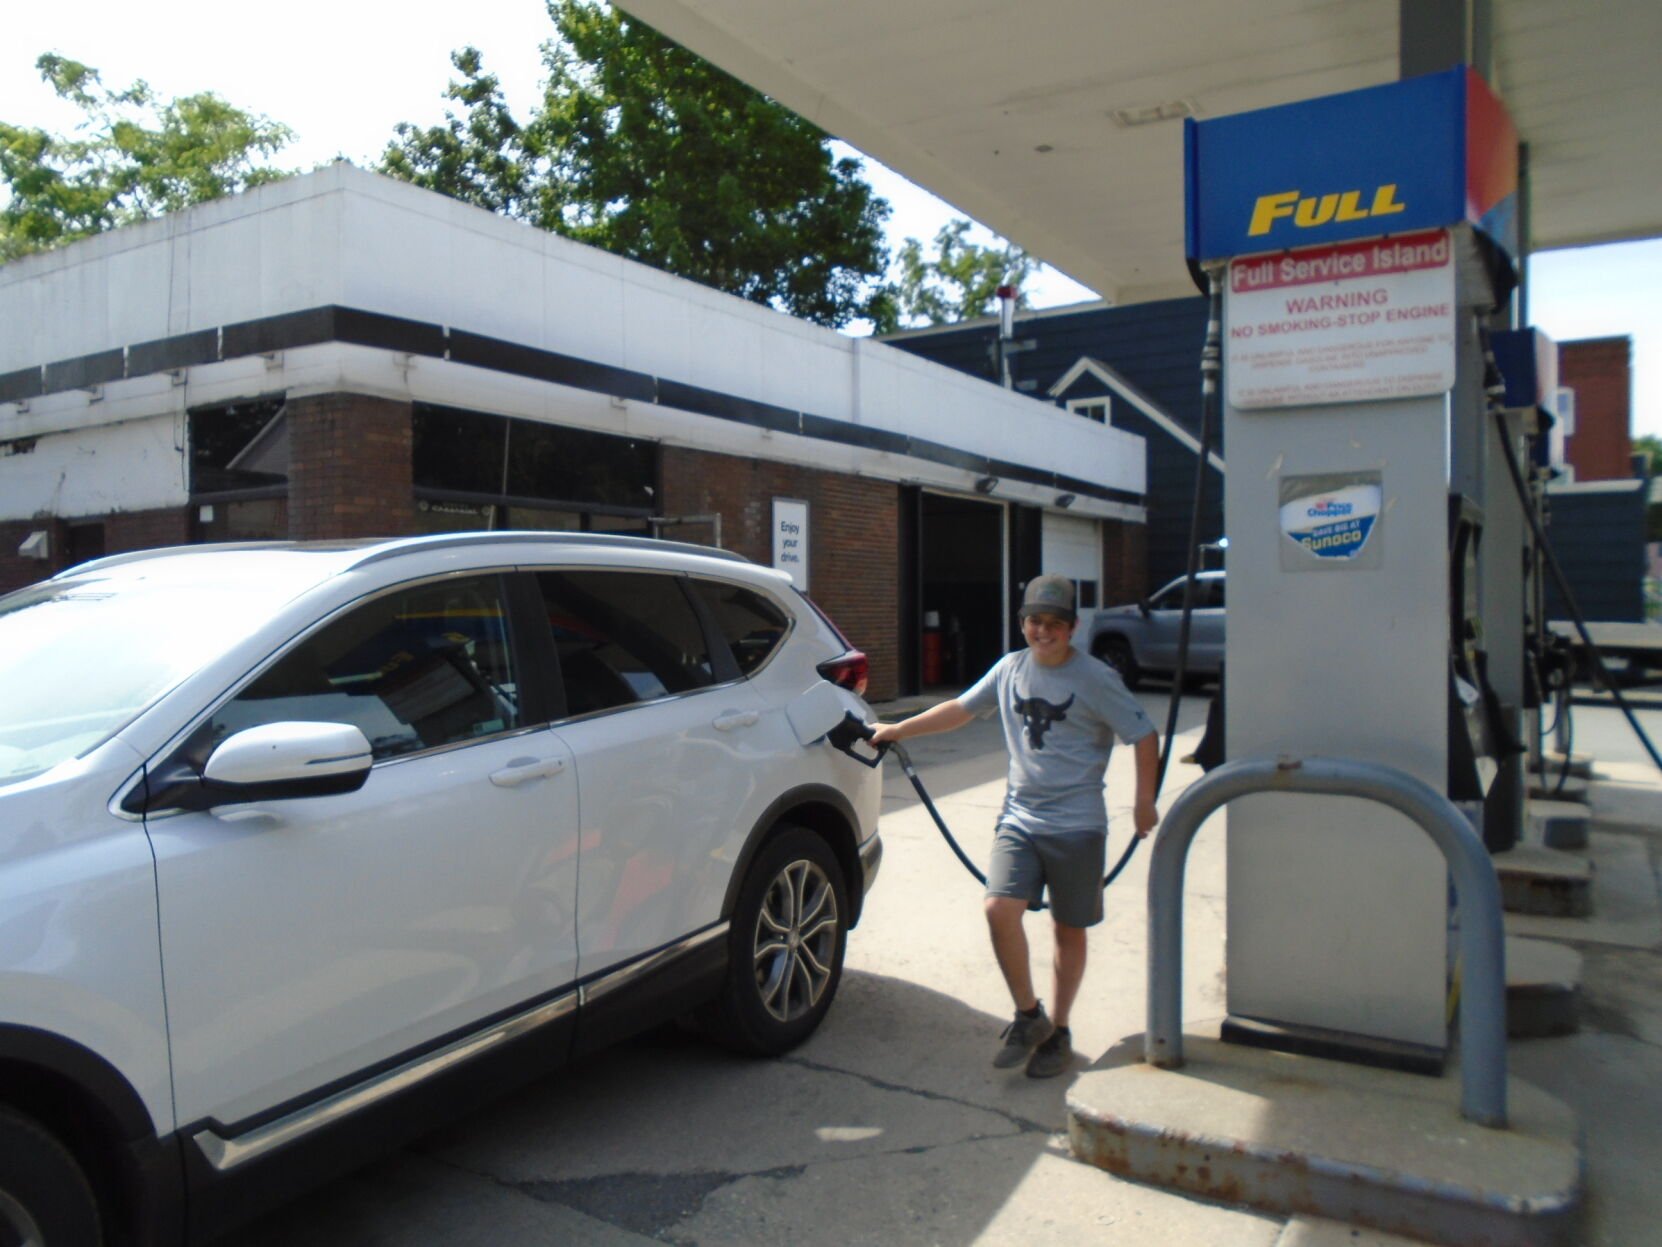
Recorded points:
342,73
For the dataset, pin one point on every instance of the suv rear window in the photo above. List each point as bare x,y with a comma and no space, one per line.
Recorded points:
623,637
752,625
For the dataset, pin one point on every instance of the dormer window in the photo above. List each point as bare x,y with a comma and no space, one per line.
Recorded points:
1091,408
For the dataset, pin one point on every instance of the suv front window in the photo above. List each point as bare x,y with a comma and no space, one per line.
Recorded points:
415,669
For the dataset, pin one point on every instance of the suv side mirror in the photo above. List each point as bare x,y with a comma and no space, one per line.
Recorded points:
281,760
1144,607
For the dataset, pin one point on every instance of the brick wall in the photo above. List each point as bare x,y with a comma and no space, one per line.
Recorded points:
17,571
1599,370
123,531
350,467
853,546
144,530
1124,562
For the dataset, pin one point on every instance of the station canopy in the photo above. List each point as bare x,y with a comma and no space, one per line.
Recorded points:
1058,123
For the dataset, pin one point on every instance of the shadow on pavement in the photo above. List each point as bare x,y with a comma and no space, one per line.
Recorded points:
888,1126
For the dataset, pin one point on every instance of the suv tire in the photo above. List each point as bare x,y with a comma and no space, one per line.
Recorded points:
785,947
1116,652
44,1196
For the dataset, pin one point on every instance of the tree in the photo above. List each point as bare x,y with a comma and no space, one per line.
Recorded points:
643,149
133,157
1650,446
959,283
479,158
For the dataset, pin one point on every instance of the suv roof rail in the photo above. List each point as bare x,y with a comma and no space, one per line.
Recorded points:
379,549
137,556
407,545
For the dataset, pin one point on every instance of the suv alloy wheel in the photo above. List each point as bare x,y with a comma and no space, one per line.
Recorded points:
788,936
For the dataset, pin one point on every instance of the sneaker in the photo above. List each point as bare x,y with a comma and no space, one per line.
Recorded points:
1022,1036
1053,1056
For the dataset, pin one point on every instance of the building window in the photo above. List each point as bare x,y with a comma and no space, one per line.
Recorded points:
474,470
1091,408
238,448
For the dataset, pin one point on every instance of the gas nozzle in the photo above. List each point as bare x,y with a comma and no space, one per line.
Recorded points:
851,730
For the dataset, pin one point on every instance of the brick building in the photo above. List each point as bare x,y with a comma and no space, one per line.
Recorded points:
1596,506
1600,371
339,355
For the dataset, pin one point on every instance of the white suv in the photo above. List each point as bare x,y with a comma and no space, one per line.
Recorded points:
302,846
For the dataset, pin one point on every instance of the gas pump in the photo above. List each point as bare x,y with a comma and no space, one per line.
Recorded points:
1363,243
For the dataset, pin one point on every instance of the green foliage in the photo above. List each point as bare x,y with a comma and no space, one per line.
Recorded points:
479,157
1650,446
643,149
960,281
131,158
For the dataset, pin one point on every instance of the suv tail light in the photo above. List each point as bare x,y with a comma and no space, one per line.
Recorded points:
848,671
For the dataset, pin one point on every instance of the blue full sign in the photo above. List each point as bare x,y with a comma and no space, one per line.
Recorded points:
1419,154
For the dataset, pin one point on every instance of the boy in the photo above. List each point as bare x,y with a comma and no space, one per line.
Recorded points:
1060,710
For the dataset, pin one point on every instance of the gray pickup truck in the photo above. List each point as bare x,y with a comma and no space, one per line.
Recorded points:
1142,639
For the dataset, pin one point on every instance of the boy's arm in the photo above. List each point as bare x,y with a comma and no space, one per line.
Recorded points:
1145,816
942,718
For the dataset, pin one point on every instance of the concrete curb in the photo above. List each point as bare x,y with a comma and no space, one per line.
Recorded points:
1373,1148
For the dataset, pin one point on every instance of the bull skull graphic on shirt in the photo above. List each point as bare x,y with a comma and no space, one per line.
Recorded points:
1038,715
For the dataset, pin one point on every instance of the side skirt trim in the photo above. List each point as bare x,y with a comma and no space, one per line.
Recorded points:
614,980
227,1154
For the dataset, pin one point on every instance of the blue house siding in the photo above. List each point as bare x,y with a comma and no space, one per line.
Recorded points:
1599,539
1154,346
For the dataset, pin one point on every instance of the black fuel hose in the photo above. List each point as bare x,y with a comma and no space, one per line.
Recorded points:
1496,389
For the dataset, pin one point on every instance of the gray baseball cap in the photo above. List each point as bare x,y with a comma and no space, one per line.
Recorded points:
1049,595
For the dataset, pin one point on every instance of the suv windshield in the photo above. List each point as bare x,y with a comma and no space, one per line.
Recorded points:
79,659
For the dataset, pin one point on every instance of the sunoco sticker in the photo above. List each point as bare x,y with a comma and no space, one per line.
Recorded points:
1333,524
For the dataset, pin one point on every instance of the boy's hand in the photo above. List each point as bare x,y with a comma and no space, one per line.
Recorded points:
885,734
1145,817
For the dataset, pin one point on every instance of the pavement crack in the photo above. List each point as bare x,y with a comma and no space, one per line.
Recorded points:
1025,1125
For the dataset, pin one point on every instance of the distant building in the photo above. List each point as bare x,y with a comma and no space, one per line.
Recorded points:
340,355
1596,507
1134,368
1600,372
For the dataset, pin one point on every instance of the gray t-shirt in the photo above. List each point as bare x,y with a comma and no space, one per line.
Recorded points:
1059,725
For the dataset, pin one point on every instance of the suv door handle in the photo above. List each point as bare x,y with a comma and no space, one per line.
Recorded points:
734,718
521,770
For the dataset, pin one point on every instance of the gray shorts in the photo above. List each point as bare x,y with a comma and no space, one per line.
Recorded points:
1069,863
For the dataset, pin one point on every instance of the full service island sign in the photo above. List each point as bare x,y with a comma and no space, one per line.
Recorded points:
790,539
1341,324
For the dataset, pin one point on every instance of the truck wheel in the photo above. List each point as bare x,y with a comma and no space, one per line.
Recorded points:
785,947
1116,652
45,1199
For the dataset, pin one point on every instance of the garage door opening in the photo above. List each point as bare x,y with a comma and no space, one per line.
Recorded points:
961,589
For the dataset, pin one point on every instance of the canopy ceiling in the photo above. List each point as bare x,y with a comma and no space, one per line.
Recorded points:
1029,115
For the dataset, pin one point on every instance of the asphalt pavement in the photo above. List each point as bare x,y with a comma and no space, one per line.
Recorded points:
889,1126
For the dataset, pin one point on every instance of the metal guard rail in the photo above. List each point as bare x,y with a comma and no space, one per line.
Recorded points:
1483,987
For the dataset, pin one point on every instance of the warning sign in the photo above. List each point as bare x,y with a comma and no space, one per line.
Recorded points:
1341,324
